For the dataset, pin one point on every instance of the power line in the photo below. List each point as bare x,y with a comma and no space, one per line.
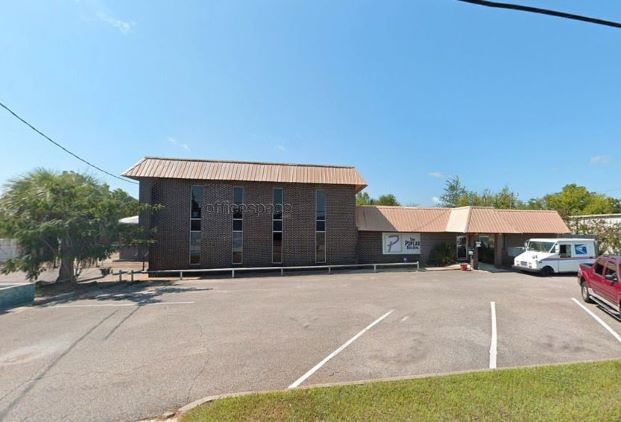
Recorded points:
63,148
543,12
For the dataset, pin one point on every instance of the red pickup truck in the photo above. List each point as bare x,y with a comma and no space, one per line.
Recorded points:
599,282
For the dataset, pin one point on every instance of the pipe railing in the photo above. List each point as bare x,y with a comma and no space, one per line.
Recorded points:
233,270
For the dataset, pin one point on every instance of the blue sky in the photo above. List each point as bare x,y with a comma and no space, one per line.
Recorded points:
409,92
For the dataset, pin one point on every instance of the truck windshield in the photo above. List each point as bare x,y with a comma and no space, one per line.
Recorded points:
540,246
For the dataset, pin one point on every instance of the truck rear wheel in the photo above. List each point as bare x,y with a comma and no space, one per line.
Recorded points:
585,293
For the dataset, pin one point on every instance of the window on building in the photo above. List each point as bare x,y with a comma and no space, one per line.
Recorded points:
238,225
277,202
195,248
197,201
196,205
320,227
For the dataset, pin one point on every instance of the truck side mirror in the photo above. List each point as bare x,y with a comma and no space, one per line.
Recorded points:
611,277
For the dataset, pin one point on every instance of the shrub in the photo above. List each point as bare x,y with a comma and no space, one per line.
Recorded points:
442,255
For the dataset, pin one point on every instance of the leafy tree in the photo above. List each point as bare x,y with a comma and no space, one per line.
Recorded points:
67,217
534,204
455,193
577,200
363,198
608,235
506,199
571,200
138,236
387,199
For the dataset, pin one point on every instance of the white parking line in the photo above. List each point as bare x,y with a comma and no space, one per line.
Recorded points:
598,319
102,305
337,351
493,348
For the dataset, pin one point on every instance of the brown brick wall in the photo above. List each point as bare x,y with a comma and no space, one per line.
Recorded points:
370,247
171,250
172,222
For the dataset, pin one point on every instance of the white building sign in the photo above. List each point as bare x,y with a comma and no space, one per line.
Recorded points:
401,243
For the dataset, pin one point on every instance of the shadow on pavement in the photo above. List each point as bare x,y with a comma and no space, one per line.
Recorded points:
140,293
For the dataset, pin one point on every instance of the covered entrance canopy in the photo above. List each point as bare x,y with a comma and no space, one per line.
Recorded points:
502,229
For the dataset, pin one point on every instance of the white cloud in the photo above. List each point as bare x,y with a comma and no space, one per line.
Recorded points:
96,10
601,160
435,199
280,148
173,141
121,25
437,175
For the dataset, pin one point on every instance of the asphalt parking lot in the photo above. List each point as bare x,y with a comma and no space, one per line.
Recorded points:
138,351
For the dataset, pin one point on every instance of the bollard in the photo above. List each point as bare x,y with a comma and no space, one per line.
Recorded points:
132,275
120,275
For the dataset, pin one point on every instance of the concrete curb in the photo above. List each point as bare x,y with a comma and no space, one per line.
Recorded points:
185,409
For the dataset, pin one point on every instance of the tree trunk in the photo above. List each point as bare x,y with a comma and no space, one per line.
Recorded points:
66,272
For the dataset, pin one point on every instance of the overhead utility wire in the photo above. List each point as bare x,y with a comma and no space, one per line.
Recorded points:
541,11
63,148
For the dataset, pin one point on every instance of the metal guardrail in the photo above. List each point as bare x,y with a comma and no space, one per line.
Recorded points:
282,270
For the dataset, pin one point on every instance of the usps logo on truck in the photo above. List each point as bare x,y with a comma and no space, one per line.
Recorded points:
401,243
581,249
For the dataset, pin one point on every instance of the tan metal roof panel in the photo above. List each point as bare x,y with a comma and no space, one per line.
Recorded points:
536,221
154,167
401,219
458,220
488,220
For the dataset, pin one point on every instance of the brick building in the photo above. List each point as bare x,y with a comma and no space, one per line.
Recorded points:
222,214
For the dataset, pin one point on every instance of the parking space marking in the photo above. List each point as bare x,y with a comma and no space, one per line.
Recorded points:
102,305
493,348
598,319
337,351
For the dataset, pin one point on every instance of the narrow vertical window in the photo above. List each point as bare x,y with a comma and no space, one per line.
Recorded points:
320,227
238,225
196,205
277,203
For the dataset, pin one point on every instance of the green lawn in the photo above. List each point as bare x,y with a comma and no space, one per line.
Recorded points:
589,391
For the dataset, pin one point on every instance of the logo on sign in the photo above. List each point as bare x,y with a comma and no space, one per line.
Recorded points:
393,243
401,243
411,243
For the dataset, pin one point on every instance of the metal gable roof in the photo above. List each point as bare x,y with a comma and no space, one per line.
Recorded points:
173,168
458,220
401,219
